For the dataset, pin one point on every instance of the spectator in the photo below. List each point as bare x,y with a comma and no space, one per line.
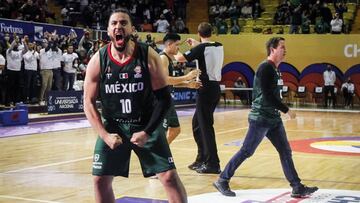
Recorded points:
246,10
326,13
222,26
70,65
31,58
162,25
7,42
46,66
340,8
295,21
14,56
257,10
2,79
94,48
235,28
348,90
214,12
321,27
240,93
223,11
29,11
146,26
5,9
305,23
180,25
336,24
233,11
56,58
85,41
329,84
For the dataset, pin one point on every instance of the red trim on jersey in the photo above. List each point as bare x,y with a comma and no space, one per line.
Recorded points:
116,61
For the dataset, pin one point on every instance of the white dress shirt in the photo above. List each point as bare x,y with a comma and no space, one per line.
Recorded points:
329,78
14,59
30,60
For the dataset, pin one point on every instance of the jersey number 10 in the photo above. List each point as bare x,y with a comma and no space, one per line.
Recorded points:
125,105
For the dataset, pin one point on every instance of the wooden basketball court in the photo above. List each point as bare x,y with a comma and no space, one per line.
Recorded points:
56,166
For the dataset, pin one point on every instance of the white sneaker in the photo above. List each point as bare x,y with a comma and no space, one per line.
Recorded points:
42,103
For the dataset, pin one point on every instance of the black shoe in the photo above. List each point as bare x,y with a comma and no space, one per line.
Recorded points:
223,188
303,191
194,165
204,168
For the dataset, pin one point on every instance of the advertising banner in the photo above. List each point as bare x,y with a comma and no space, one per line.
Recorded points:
65,102
36,31
183,96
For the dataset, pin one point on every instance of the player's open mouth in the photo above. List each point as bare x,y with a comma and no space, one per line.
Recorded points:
119,37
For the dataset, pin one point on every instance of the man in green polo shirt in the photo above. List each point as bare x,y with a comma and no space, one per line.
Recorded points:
265,120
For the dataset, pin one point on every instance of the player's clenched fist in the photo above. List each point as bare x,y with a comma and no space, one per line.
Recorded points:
113,140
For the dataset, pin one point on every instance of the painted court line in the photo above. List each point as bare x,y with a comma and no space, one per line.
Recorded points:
26,199
47,165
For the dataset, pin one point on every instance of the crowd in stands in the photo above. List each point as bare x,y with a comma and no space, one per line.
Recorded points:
28,10
312,12
32,69
300,15
29,70
149,15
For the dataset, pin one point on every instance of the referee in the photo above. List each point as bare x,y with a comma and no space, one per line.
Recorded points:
210,56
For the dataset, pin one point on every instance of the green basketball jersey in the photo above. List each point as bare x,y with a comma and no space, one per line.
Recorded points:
171,66
125,89
266,94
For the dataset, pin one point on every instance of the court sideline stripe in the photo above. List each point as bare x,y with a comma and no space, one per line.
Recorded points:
46,165
26,199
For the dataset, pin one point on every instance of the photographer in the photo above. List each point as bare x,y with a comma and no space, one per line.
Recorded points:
336,24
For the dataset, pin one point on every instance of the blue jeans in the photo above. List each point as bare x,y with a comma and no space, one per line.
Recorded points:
277,135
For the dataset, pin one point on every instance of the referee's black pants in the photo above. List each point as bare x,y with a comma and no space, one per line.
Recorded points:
204,134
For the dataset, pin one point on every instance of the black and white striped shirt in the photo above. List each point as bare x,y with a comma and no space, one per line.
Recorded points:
211,57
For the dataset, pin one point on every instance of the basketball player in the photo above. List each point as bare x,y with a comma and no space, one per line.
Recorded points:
129,76
265,120
210,56
171,121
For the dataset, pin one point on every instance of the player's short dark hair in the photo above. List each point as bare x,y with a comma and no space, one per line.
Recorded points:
205,29
122,10
273,43
172,37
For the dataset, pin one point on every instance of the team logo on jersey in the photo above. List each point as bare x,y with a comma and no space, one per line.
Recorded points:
138,71
108,72
123,75
96,157
96,163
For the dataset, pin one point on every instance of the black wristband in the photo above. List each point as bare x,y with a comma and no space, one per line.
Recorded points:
162,106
